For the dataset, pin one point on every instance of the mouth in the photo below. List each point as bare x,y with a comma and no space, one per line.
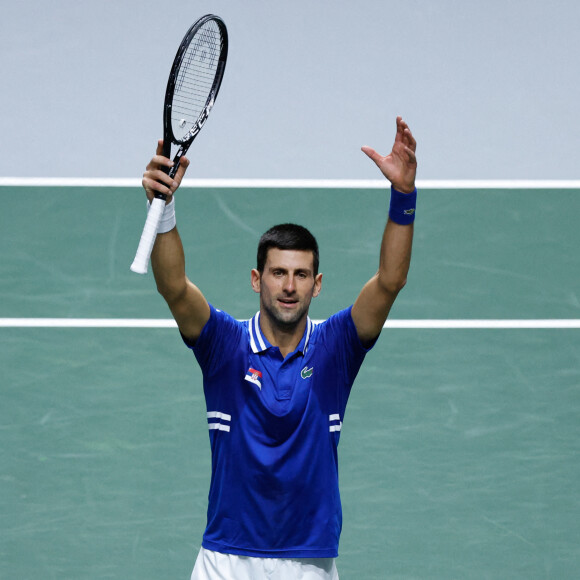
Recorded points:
287,302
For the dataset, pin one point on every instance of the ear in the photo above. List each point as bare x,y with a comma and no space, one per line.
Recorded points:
255,280
317,285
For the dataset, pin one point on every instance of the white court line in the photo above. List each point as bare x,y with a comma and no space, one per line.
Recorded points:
294,183
169,323
87,323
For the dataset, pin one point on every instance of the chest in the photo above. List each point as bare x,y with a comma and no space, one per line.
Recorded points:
275,399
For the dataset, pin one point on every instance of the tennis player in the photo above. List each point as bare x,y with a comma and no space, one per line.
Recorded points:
276,386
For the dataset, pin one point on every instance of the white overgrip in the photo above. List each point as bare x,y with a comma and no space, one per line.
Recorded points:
141,261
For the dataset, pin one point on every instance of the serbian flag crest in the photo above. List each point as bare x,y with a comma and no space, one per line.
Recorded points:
254,376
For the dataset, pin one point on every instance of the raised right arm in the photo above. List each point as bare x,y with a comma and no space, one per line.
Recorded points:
186,302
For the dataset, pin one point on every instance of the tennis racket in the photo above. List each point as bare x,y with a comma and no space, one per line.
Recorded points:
192,88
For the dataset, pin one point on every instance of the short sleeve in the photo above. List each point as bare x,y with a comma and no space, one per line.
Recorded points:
220,335
338,334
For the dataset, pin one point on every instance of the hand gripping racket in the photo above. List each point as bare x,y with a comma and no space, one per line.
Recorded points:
192,88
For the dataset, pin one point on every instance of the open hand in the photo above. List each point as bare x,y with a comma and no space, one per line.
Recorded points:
400,165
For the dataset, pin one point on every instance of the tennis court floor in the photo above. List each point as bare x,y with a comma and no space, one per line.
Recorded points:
460,447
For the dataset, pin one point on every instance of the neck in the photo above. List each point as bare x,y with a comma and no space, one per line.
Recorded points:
285,337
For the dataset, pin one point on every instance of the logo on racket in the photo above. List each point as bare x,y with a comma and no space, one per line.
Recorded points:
201,120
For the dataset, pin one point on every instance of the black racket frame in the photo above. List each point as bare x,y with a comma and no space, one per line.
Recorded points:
168,136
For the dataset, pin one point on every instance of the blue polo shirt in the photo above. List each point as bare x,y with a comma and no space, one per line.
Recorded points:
274,427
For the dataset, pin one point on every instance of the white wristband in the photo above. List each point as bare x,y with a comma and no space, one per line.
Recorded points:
167,222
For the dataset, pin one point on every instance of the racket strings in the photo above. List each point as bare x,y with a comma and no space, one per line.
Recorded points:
195,78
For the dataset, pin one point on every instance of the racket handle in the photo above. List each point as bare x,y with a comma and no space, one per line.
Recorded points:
141,261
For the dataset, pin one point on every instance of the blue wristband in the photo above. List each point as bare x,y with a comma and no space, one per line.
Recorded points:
402,209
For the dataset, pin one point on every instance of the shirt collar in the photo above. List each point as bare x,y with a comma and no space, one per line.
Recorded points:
259,343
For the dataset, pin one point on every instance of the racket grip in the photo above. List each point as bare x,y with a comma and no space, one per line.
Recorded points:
141,261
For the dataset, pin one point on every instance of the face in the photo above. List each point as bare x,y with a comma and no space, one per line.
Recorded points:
287,285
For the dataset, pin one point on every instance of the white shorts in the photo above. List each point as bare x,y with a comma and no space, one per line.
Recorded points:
216,566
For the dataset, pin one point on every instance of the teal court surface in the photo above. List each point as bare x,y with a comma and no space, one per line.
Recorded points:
460,446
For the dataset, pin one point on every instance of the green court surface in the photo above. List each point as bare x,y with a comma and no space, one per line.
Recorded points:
460,448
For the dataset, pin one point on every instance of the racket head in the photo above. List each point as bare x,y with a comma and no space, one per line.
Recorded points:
194,81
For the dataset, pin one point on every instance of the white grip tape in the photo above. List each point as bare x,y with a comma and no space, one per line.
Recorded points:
141,261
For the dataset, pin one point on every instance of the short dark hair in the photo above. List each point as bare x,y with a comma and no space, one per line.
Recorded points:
287,237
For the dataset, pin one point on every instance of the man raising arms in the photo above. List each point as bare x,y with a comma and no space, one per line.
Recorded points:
276,386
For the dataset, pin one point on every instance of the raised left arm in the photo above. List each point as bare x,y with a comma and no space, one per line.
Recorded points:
375,300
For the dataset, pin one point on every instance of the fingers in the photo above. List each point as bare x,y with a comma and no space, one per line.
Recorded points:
404,134
183,165
409,140
400,165
156,179
372,154
411,157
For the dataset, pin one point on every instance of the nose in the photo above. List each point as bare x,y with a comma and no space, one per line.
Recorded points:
289,284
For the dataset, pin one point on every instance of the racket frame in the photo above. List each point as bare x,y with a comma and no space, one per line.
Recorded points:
141,261
168,136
